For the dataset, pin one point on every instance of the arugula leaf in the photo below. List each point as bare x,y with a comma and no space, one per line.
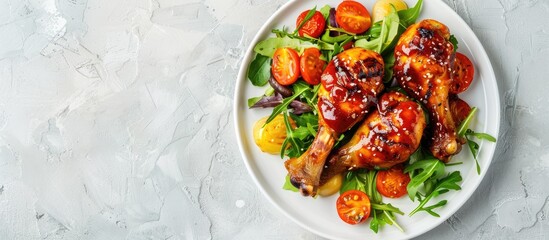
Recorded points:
454,42
430,169
410,15
259,70
462,129
301,133
268,46
389,218
375,222
443,185
299,88
304,119
484,136
308,17
288,185
306,132
474,146
287,140
371,189
329,39
354,180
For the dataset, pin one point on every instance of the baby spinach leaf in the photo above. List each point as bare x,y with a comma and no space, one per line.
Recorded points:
259,70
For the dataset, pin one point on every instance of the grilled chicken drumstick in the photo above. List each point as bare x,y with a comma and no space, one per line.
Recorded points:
424,59
387,137
350,85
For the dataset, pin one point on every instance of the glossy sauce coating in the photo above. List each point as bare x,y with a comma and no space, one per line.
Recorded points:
387,137
390,135
423,65
350,85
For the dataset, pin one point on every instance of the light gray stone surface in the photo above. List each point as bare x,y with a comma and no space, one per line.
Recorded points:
116,122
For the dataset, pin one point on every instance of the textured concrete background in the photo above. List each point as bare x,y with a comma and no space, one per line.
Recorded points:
115,122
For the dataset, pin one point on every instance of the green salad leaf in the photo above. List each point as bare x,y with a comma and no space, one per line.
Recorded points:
299,88
288,185
410,15
454,42
325,11
387,37
464,131
441,186
268,46
427,170
259,70
389,60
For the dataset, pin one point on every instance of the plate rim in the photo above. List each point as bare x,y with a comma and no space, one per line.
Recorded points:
237,103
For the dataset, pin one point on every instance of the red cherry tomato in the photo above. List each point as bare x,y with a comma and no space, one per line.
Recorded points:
392,183
311,66
353,206
285,66
462,74
314,27
353,17
459,109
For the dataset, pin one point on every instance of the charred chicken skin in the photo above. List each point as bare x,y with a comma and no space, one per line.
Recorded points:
349,87
387,137
423,64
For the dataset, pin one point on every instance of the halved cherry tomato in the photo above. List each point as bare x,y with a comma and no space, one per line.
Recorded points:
353,17
462,74
311,66
285,66
459,109
314,27
392,183
353,206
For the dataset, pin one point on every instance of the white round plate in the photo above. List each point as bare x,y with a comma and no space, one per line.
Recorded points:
319,215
